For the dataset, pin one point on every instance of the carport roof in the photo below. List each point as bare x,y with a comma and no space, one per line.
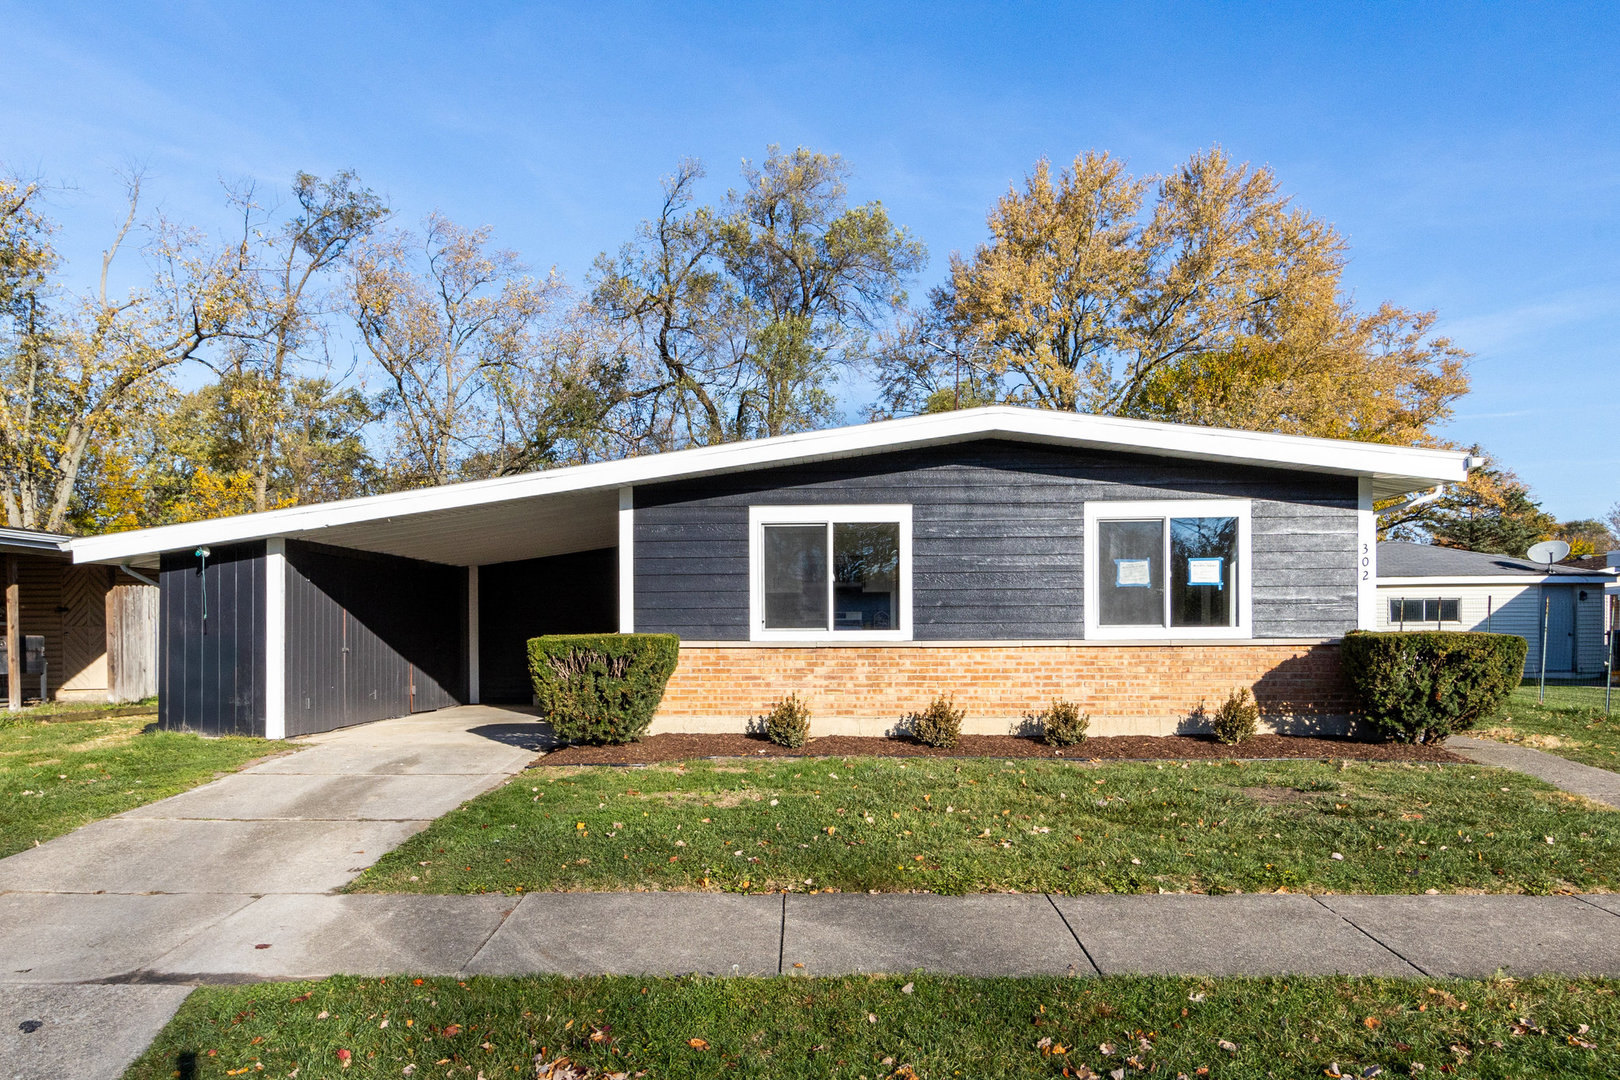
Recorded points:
575,508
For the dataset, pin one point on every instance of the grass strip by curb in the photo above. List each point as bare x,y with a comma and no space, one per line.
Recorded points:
892,1026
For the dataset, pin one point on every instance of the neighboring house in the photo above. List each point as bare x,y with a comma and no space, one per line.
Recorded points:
77,632
1001,556
1426,587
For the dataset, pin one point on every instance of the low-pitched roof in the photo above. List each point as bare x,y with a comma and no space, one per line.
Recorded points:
520,516
1403,560
32,542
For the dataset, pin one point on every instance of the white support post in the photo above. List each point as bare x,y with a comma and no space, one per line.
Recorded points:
627,560
1366,557
275,638
472,635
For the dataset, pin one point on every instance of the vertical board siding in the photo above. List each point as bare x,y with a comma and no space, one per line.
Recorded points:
998,550
211,674
559,594
362,629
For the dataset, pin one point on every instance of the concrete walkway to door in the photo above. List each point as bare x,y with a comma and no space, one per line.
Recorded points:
106,903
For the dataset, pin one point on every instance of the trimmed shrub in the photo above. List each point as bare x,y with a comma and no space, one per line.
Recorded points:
1235,720
939,725
788,723
1063,724
601,688
1422,686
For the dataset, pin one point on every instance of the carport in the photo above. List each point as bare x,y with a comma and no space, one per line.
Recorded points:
369,608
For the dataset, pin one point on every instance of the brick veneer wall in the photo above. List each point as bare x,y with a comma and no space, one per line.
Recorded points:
1127,688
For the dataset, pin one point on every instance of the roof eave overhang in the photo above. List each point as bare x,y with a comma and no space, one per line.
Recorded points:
1392,470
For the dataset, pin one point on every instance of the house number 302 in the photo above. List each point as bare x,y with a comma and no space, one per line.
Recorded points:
1366,562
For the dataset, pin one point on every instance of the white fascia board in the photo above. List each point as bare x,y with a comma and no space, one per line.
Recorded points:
1416,468
1495,579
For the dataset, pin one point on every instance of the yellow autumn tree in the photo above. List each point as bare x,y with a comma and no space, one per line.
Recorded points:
1217,302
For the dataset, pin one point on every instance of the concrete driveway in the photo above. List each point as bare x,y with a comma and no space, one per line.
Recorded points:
107,903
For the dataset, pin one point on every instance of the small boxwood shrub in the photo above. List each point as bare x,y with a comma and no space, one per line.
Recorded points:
601,688
938,725
1236,719
788,723
1422,686
1063,724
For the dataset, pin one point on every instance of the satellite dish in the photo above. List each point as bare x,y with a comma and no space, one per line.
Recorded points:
1549,551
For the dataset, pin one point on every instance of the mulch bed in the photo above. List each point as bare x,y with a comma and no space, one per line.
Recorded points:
660,748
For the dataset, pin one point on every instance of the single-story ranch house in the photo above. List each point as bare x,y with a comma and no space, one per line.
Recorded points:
1002,556
1423,587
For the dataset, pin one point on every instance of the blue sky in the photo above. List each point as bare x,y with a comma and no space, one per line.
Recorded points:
1471,153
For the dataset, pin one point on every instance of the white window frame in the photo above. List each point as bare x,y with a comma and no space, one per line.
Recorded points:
1424,599
1127,510
761,516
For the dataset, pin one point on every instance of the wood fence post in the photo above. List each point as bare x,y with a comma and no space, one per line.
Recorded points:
14,637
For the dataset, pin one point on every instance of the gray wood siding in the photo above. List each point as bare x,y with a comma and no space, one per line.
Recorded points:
560,594
363,630
997,544
211,672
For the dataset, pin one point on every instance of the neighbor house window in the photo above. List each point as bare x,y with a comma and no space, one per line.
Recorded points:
830,571
1168,569
1435,610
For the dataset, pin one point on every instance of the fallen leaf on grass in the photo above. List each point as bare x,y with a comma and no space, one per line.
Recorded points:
1227,1045
452,1031
698,1044
343,1057
301,997
909,987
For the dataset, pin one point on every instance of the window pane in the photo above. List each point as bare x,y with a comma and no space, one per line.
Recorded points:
796,577
1448,611
1203,571
866,576
1412,611
1130,558
1395,611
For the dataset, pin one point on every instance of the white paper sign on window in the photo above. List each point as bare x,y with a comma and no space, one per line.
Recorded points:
1133,573
1204,572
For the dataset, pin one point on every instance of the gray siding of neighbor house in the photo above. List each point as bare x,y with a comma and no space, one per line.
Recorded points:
370,637
997,545
211,671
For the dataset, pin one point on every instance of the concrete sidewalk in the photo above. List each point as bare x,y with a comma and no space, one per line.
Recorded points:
1599,785
311,936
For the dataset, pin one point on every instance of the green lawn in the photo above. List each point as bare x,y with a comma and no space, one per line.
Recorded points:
981,825
55,777
1570,724
899,1027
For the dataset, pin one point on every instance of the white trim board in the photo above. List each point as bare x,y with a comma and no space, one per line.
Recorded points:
1494,579
1393,470
627,560
275,638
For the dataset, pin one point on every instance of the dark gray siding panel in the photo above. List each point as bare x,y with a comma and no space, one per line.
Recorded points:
211,671
370,637
997,544
561,594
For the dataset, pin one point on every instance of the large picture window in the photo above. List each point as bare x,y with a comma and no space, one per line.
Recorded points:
831,572
1168,569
